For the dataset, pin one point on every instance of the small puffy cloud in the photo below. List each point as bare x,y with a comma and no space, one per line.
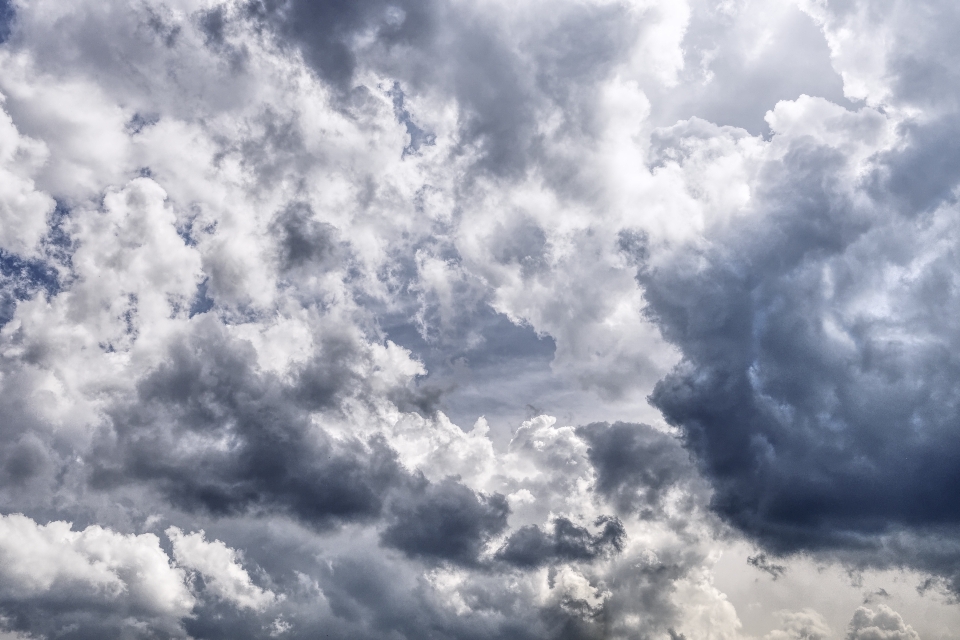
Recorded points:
220,567
882,624
800,625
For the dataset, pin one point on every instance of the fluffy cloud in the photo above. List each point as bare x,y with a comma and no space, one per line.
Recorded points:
261,261
801,625
880,625
815,359
96,580
220,568
23,209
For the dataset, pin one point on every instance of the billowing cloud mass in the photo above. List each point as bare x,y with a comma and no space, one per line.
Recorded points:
472,319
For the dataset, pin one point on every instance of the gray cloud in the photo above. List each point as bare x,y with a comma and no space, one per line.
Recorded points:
290,241
466,54
732,78
822,423
209,389
445,521
305,240
636,465
7,17
761,562
531,546
326,29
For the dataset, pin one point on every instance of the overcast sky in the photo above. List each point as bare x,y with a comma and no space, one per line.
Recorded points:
480,319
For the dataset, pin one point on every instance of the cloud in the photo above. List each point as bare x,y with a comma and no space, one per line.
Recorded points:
304,240
801,625
813,357
530,546
463,52
637,467
214,433
54,578
7,16
908,68
23,209
761,562
446,521
883,624
220,567
264,263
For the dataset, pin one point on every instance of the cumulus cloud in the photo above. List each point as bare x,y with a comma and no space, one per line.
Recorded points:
687,269
638,468
532,546
445,520
801,625
810,342
23,209
94,579
220,567
879,625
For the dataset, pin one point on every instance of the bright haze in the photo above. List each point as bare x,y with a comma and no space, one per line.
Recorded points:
480,319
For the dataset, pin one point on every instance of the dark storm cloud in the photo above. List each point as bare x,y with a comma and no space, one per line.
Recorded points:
23,459
218,620
649,579
444,521
31,454
502,91
372,600
636,465
213,25
820,422
254,447
531,546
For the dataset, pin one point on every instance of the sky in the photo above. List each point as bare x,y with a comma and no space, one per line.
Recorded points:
479,319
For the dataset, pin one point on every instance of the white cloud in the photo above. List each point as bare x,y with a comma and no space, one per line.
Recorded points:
882,624
129,575
260,278
220,567
23,209
801,625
